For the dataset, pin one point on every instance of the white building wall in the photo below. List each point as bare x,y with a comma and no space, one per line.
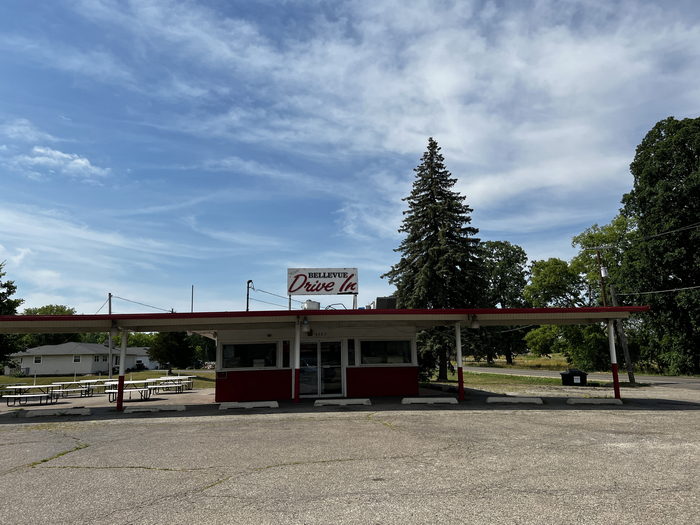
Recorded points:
57,365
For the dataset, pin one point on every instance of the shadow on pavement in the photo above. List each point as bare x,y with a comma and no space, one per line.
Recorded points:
475,401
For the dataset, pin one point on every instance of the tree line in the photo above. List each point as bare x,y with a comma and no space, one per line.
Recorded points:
173,349
648,254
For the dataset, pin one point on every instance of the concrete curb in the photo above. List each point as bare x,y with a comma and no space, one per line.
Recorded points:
515,400
58,412
429,401
593,401
249,404
341,402
161,408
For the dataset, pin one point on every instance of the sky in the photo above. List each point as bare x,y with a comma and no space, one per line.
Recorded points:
150,146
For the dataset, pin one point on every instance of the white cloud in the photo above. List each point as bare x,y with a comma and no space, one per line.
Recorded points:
23,130
43,160
93,63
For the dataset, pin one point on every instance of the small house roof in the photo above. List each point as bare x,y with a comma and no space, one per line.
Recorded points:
74,348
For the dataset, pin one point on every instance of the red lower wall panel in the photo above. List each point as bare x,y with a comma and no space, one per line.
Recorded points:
254,385
382,381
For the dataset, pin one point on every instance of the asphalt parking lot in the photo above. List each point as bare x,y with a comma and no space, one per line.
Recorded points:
386,463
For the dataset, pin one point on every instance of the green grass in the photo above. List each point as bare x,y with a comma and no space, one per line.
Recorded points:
480,379
203,379
555,362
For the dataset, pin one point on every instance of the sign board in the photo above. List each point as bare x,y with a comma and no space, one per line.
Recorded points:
322,281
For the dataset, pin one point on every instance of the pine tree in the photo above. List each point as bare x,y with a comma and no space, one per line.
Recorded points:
440,265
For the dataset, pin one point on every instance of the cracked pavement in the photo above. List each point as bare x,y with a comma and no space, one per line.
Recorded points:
428,465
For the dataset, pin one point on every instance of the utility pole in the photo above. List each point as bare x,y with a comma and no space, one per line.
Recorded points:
623,339
192,301
619,328
247,294
603,274
109,337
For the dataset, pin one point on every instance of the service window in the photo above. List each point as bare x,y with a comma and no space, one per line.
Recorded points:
76,359
249,355
385,352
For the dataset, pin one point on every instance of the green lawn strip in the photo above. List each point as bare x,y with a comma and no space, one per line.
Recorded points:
478,378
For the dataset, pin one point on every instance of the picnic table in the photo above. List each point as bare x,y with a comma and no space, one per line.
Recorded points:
68,387
22,394
136,385
169,383
96,383
187,381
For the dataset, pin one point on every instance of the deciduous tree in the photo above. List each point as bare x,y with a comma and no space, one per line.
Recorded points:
662,264
34,340
8,306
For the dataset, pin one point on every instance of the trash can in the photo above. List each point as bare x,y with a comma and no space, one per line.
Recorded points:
574,377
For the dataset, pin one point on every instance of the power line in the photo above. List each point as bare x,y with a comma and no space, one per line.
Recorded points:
267,302
646,238
142,304
689,227
276,295
103,305
661,291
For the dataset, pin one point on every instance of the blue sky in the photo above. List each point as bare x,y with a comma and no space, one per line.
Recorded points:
148,146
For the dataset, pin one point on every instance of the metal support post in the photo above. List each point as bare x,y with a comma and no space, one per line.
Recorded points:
122,359
296,359
613,358
460,372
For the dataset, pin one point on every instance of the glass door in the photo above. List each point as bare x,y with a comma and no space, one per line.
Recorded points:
308,373
331,370
321,372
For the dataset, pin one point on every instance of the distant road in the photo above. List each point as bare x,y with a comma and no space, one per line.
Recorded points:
670,381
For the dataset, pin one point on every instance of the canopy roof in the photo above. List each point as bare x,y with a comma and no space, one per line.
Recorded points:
213,321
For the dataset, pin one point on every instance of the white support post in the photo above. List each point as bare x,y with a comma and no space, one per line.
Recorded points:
296,361
460,372
122,359
613,358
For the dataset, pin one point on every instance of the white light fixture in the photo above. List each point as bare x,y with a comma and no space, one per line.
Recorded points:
305,326
603,272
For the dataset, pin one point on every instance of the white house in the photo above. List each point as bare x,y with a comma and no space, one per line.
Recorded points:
76,358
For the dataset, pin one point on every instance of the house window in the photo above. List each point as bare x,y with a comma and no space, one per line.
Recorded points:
37,359
76,359
97,359
104,358
385,352
249,355
116,360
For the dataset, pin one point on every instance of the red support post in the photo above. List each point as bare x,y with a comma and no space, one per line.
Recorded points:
120,394
460,383
297,377
616,381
